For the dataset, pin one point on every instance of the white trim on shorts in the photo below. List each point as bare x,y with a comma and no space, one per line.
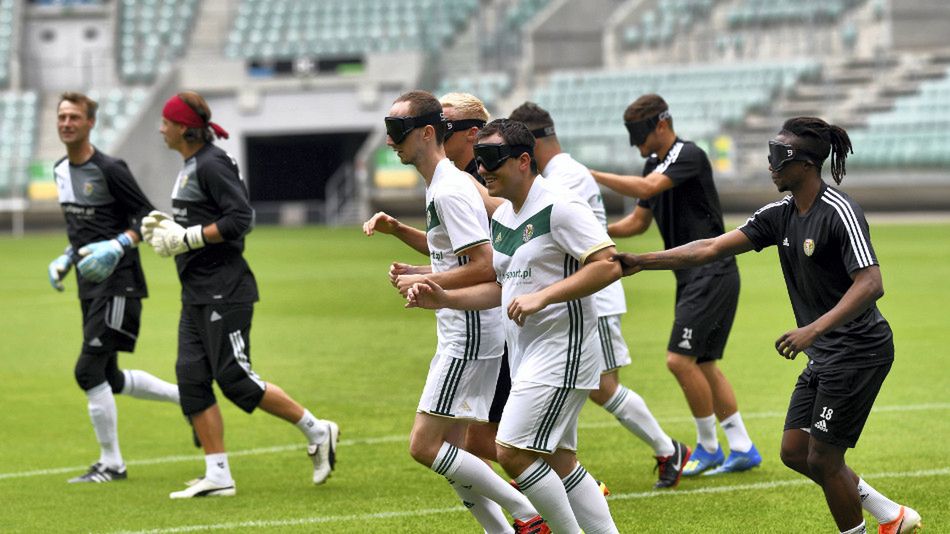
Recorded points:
541,418
459,388
616,354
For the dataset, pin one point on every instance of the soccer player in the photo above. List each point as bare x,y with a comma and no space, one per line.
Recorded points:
464,370
550,256
677,190
102,205
465,114
626,405
833,280
218,292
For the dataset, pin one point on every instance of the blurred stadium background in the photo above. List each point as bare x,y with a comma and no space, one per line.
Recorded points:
302,85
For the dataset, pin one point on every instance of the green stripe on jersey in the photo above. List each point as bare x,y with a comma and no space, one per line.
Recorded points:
507,240
432,218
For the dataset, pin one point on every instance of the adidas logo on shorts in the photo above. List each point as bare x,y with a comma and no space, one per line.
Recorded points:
820,425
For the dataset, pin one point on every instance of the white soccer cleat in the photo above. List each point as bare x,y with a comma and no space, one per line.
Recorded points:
324,454
907,521
204,488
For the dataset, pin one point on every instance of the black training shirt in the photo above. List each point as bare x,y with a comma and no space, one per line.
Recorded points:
819,251
100,199
209,190
689,210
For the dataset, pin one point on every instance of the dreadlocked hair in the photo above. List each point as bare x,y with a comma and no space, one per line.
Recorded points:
820,139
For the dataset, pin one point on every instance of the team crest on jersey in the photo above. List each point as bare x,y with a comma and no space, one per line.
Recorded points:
528,233
428,218
809,247
87,188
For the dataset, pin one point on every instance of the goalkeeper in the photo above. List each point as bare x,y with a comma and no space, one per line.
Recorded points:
102,205
218,292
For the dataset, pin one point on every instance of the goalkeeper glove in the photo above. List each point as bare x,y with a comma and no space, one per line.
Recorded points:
149,222
59,268
99,259
169,238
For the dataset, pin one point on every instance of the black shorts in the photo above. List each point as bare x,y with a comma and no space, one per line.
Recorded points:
502,389
705,310
834,404
110,324
214,344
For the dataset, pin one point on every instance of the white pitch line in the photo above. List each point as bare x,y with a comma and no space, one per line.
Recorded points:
273,523
398,438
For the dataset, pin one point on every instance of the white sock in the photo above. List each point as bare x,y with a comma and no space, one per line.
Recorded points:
315,430
706,433
104,418
632,412
736,434
487,512
217,469
588,502
546,491
860,529
877,504
467,469
142,385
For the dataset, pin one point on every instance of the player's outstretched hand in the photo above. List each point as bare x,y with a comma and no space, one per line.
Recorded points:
398,269
404,282
426,294
522,306
381,222
795,341
59,268
629,263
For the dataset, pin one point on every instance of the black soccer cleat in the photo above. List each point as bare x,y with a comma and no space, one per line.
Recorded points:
99,473
671,467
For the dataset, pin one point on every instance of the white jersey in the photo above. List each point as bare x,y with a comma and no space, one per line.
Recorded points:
456,221
547,241
565,171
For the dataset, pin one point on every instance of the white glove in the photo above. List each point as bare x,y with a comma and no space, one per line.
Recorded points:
150,221
170,238
59,268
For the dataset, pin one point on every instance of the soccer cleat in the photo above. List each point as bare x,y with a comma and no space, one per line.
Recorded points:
702,460
535,525
324,454
99,473
671,467
738,461
202,487
603,488
908,520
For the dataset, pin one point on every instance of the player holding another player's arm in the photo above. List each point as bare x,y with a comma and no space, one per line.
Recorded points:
833,281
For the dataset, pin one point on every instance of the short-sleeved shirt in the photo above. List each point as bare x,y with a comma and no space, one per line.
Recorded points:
209,189
455,222
690,210
819,251
549,239
567,172
101,199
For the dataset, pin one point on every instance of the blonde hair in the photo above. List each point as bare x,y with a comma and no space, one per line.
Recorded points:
468,106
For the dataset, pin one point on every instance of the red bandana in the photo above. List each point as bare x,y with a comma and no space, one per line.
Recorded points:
176,110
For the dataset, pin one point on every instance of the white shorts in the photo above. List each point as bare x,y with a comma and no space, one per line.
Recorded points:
460,388
541,418
614,348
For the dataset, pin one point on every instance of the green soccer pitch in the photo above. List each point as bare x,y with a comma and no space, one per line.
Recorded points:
333,333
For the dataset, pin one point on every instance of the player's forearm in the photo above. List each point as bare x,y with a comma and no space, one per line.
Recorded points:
631,186
694,254
484,296
414,237
862,294
588,280
470,274
626,227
